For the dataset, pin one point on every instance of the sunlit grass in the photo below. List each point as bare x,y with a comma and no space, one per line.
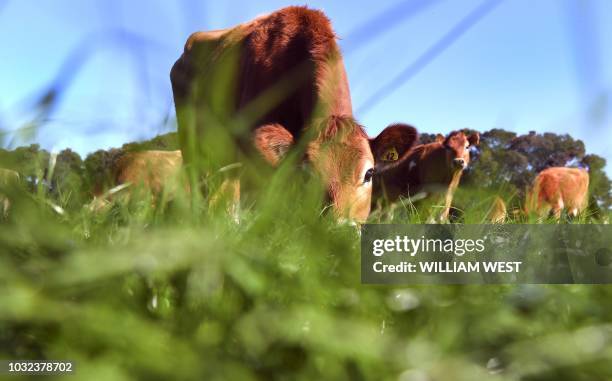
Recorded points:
143,289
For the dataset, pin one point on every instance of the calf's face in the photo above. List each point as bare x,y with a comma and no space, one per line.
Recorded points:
339,154
346,166
457,149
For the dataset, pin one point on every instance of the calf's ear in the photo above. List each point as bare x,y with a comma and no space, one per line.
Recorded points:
393,142
474,139
273,141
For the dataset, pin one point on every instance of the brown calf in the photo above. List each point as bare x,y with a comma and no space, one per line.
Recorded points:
434,168
283,74
156,171
152,172
558,188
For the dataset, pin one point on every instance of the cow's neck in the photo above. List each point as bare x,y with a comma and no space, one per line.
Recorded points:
333,96
401,178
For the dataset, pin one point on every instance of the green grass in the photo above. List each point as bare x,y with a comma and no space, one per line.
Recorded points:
175,291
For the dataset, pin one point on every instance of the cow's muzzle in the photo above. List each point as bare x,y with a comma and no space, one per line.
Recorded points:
459,163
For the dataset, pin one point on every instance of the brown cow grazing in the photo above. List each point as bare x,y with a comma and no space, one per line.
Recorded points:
420,171
155,173
558,188
8,178
282,76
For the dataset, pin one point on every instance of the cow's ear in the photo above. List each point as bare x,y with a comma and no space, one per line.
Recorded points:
273,141
390,154
474,139
393,142
440,138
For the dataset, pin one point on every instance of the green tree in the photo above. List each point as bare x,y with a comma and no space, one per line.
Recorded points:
67,179
99,169
599,185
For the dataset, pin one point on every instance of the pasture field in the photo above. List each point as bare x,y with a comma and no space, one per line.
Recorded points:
174,290
136,286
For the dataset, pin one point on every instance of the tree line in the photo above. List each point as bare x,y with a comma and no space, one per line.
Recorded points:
505,163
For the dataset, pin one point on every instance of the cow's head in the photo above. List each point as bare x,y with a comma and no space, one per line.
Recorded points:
457,148
392,143
339,153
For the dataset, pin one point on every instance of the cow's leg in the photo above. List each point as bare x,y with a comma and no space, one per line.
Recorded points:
557,208
227,197
390,213
436,208
444,215
448,197
431,219
6,205
233,206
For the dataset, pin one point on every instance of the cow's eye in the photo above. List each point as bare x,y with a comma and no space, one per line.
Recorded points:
368,175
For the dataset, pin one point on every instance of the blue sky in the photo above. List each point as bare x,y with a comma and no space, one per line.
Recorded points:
526,65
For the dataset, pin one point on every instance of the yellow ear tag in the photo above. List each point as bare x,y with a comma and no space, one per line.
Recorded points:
391,155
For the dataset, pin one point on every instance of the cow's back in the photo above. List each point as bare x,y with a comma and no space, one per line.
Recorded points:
282,64
574,188
199,50
560,188
153,170
297,46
